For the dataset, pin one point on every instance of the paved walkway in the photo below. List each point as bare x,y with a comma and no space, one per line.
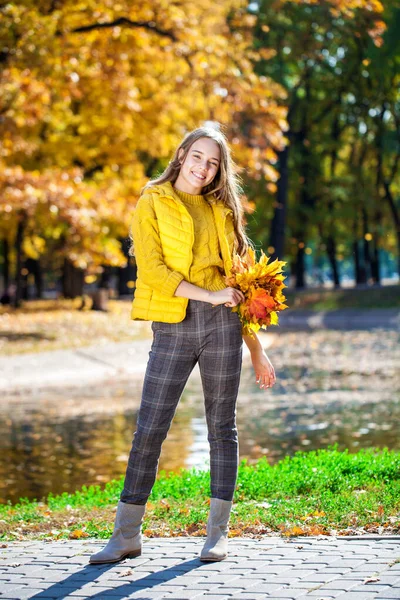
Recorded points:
111,362
73,367
323,568
127,360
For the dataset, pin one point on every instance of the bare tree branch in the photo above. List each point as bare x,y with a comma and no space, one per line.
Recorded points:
123,21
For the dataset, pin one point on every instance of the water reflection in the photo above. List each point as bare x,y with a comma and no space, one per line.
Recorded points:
41,453
58,446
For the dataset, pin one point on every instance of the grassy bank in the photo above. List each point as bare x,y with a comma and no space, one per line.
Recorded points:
44,325
318,492
357,298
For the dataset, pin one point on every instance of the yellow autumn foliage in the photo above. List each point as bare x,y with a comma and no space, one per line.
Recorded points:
261,283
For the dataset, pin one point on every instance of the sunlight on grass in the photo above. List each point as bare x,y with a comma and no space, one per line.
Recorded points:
45,325
318,492
331,299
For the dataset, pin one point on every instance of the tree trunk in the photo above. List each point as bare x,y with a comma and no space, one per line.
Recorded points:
38,280
101,295
396,218
6,292
18,268
100,299
6,264
24,282
331,252
366,249
72,280
306,200
128,273
34,267
277,236
299,268
104,282
375,266
360,270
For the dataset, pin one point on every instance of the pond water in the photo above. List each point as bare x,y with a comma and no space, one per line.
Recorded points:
332,387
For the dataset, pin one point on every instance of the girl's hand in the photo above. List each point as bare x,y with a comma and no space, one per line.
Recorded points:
229,296
265,372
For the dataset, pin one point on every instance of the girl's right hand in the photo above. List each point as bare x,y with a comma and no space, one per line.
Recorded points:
229,296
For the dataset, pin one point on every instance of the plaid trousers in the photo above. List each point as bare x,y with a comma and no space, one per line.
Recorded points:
211,336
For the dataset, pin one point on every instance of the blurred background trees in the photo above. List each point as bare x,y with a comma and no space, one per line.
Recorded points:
95,97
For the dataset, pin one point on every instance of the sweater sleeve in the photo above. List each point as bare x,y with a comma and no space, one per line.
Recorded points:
148,252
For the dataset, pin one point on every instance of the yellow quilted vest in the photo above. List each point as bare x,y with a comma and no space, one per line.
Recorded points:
163,236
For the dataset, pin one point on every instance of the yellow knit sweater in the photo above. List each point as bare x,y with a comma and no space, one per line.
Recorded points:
207,269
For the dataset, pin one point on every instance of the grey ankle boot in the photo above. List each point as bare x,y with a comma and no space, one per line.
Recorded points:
216,546
126,540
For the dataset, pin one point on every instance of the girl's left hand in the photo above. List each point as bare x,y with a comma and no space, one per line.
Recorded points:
265,372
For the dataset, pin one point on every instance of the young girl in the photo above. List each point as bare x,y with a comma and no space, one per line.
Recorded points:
186,226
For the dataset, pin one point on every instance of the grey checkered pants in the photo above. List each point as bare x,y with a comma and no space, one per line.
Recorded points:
212,337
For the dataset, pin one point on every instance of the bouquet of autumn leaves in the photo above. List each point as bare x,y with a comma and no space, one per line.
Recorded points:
262,285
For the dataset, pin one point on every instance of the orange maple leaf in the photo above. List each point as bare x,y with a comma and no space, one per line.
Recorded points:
260,303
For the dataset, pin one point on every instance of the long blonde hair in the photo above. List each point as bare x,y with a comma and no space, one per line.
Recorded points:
225,185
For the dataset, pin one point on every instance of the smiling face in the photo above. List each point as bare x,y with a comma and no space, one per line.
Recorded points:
199,167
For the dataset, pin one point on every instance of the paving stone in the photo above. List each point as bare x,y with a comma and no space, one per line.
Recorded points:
360,596
388,578
24,580
340,584
245,582
153,595
321,577
370,567
229,588
188,579
272,569
253,564
293,594
316,566
7,587
262,570
252,596
233,571
187,594
307,585
214,596
319,595
266,587
302,572
283,579
351,563
219,578
371,587
390,594
339,571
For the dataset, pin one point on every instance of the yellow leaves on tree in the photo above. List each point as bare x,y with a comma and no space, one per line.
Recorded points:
109,89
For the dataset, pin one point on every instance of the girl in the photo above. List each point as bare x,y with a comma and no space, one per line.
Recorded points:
186,226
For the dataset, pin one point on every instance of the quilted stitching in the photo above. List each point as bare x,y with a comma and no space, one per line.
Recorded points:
162,231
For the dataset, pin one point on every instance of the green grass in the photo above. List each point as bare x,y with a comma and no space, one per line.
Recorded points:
330,299
314,492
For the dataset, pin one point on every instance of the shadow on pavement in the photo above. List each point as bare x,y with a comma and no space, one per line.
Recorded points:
90,573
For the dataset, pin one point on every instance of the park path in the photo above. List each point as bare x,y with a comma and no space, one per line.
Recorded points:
23,373
27,374
321,568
